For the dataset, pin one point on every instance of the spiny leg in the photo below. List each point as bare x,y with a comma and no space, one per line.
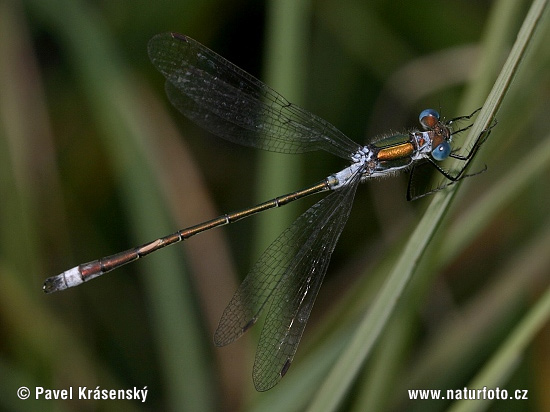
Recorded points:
450,176
467,117
477,144
411,197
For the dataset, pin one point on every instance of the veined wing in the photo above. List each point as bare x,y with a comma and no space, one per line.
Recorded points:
227,101
295,295
288,275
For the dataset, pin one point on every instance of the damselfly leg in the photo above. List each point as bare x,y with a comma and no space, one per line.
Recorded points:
452,177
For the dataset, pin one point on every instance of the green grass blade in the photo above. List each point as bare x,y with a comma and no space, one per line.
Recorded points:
505,359
285,42
112,99
342,375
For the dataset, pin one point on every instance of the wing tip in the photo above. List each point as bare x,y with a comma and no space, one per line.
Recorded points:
179,36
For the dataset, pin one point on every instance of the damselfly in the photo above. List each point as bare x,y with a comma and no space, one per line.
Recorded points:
234,105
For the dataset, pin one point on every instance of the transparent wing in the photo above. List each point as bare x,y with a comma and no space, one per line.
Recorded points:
227,101
293,298
289,275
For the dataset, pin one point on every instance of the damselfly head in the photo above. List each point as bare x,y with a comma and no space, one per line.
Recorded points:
428,119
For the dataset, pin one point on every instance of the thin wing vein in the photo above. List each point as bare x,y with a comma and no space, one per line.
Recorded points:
236,106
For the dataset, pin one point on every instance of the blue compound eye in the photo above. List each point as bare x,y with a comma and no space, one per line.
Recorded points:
442,151
428,118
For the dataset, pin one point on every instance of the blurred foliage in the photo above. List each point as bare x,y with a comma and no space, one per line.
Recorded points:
94,160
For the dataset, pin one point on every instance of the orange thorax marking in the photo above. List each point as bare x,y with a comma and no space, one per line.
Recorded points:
396,152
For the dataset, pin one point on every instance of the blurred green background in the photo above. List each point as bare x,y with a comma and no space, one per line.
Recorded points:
94,160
